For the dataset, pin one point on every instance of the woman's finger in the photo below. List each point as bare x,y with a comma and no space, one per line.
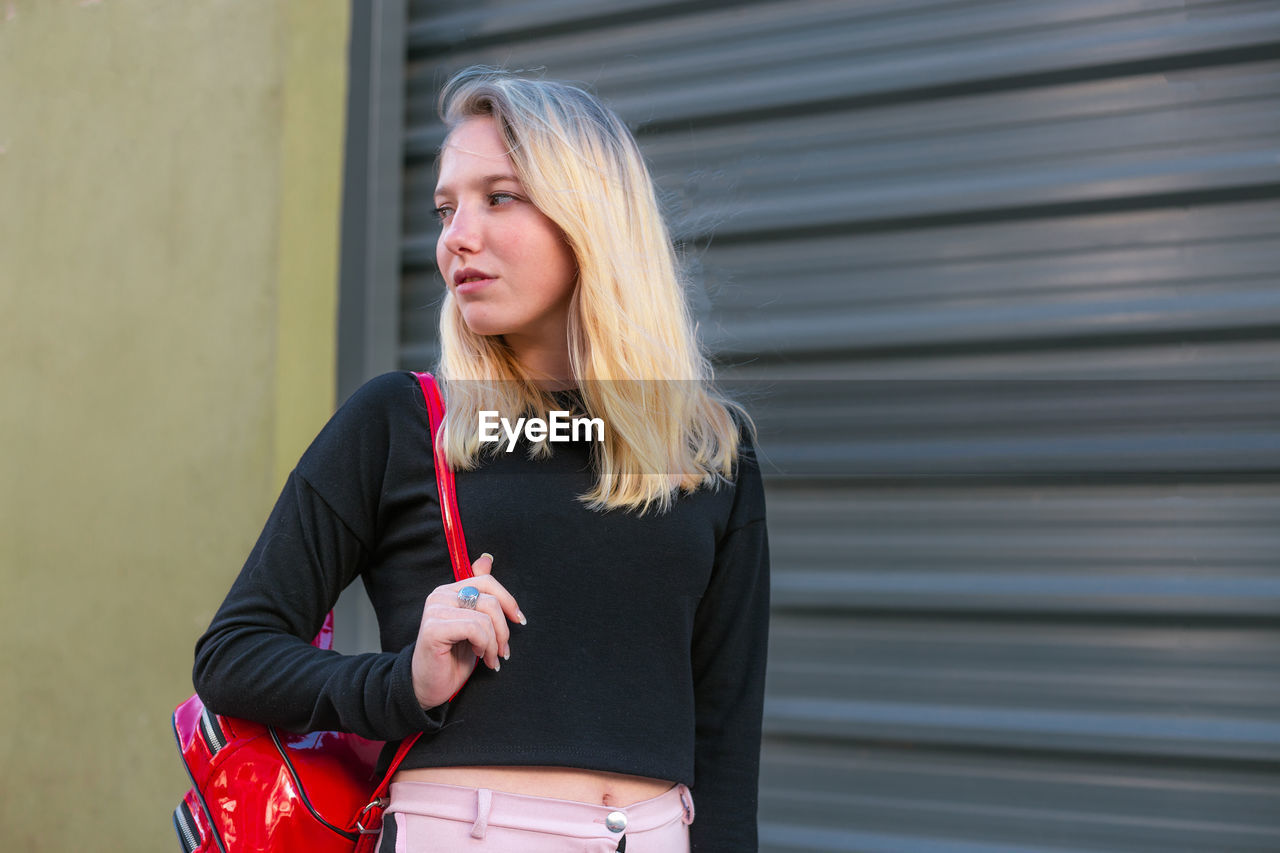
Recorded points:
447,594
483,567
490,606
450,626
483,564
484,581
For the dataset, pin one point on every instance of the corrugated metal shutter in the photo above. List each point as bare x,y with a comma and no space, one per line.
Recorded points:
1002,276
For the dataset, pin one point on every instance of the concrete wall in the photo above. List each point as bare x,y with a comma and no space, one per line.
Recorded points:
169,209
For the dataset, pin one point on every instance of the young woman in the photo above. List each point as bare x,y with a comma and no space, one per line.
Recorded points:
620,605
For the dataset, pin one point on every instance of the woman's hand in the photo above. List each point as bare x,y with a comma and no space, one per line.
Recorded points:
451,636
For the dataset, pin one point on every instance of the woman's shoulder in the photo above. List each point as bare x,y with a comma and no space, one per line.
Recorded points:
366,426
748,484
389,392
384,403
744,430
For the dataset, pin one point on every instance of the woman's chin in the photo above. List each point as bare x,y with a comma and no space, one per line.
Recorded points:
480,325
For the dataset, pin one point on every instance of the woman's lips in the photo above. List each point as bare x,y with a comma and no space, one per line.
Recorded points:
471,285
469,280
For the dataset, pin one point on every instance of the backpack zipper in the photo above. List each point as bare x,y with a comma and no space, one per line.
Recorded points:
214,737
184,825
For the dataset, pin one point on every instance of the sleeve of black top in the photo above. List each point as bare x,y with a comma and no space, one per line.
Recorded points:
256,661
730,644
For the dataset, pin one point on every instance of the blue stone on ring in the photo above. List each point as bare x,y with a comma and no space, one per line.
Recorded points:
468,596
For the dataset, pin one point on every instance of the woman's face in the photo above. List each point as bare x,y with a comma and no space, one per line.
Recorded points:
504,261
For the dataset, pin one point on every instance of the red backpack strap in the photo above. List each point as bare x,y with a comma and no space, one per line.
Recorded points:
457,555
444,479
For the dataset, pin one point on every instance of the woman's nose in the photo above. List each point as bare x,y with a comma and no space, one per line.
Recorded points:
461,232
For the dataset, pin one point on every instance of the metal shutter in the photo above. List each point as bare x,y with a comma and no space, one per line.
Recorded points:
1000,280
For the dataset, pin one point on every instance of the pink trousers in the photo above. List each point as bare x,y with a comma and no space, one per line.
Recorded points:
426,817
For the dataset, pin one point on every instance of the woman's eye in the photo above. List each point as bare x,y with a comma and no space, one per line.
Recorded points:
442,212
496,199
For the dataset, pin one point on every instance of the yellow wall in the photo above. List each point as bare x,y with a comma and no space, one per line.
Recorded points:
169,207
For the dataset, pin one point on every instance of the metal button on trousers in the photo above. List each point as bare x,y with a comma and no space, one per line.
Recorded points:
617,822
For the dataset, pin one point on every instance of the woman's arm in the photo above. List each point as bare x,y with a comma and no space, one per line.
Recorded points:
731,634
255,660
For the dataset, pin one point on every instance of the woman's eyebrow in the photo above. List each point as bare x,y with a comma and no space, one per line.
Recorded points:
487,180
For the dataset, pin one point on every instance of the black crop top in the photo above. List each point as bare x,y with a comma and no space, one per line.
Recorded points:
646,640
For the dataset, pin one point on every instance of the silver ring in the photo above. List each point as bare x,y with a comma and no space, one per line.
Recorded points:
468,596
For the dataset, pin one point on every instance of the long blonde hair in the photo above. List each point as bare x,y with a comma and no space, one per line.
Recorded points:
631,339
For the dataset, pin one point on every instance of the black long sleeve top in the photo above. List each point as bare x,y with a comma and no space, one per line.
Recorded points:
646,640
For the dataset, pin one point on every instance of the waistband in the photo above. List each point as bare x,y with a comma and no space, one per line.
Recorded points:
522,811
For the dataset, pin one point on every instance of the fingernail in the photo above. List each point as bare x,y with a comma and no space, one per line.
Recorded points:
497,665
487,554
520,618
506,653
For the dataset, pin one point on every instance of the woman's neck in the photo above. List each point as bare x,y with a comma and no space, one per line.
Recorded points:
548,366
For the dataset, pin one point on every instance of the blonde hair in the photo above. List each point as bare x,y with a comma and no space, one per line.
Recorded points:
632,345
